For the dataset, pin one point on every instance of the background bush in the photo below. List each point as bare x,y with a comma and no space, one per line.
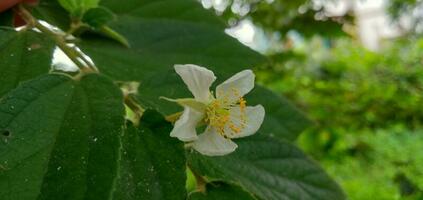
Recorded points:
367,109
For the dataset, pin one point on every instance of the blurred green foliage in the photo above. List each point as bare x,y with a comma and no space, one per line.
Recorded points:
353,94
367,106
281,16
398,7
391,169
347,88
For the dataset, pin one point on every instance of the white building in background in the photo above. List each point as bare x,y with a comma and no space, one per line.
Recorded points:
373,24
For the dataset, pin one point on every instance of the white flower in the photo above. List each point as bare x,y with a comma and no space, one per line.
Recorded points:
225,115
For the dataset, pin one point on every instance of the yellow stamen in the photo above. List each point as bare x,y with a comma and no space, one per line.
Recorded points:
218,115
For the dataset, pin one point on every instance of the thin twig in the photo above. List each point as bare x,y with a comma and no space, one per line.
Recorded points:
72,53
133,105
200,181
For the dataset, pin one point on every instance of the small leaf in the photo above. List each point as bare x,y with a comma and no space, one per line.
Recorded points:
270,169
77,8
62,138
153,164
112,34
97,17
221,191
23,56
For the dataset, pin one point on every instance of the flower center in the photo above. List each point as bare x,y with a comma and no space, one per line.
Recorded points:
218,115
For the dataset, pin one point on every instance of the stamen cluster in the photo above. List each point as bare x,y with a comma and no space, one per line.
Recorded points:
218,115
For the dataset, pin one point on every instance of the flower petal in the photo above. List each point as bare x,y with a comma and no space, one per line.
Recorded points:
211,143
198,79
236,86
254,117
185,126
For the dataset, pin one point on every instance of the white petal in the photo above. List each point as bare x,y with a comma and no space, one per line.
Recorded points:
236,86
211,143
254,117
198,79
185,126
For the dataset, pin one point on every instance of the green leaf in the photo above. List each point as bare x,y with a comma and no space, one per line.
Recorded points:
98,18
164,33
23,56
168,10
270,169
77,8
221,191
153,164
60,138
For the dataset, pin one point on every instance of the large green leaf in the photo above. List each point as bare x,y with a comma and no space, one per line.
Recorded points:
60,138
23,55
163,33
221,191
153,164
270,169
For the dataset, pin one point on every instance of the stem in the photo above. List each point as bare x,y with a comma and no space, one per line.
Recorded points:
133,105
200,181
72,53
73,27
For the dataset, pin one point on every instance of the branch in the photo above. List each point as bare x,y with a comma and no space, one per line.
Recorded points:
72,53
